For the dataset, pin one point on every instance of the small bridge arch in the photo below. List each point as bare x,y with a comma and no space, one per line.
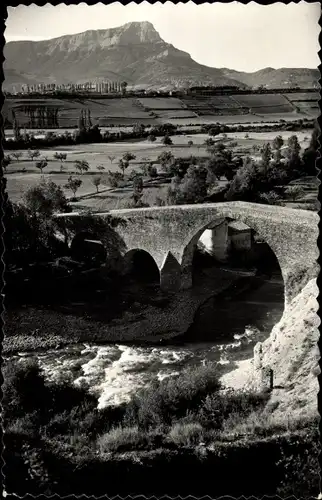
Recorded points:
140,265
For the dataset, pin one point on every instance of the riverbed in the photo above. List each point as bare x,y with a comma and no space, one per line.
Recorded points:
224,331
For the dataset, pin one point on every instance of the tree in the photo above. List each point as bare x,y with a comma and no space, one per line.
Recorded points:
193,188
310,154
166,140
81,122
166,159
111,158
214,130
277,142
113,178
138,129
33,153
73,184
266,156
220,163
209,142
62,157
45,199
137,190
293,155
96,180
128,157
123,87
124,162
151,138
82,166
152,171
16,128
6,161
100,168
277,156
123,165
244,186
190,143
17,155
174,193
41,165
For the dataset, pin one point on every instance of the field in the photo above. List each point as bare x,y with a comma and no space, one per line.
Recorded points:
18,182
153,110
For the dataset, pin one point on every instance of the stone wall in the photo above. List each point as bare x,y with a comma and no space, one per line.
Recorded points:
291,234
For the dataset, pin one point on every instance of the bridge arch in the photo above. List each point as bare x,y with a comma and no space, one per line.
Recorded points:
190,243
139,265
89,247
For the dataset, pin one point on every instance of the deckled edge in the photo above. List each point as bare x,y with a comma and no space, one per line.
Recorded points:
4,15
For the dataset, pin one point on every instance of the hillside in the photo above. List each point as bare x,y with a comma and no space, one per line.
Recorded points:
134,52
292,352
277,78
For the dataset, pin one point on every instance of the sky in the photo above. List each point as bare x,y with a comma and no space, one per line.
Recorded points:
241,37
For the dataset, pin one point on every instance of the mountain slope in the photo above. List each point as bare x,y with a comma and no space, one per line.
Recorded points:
277,78
134,52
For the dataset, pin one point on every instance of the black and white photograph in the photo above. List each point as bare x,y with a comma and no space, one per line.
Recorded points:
159,176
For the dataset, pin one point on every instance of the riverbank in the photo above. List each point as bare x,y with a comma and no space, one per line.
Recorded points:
33,328
179,426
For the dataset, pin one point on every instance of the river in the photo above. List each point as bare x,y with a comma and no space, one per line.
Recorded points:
224,330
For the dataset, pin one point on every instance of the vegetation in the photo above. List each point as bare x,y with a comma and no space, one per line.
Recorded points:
54,431
82,166
73,184
96,180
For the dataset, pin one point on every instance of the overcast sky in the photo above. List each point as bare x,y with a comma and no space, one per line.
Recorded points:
243,37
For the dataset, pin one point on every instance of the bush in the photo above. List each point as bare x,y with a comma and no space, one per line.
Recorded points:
23,389
121,439
114,178
216,408
171,398
189,434
26,427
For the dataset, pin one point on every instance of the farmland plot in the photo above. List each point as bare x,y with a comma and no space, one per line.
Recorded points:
157,103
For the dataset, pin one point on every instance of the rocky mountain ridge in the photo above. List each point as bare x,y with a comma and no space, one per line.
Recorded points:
134,52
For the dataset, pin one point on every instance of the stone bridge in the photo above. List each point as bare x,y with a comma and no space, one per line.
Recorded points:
170,234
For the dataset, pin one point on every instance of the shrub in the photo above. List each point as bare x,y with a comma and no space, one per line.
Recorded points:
121,439
23,389
26,427
189,434
171,398
300,468
216,408
114,179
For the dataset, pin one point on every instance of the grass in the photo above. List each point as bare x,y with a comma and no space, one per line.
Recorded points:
189,434
97,154
55,433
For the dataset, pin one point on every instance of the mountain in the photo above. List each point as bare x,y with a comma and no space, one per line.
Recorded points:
134,52
277,78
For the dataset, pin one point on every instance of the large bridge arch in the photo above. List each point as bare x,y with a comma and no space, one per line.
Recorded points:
190,243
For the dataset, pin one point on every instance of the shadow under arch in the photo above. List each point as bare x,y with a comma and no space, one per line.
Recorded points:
241,292
88,247
190,245
140,266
